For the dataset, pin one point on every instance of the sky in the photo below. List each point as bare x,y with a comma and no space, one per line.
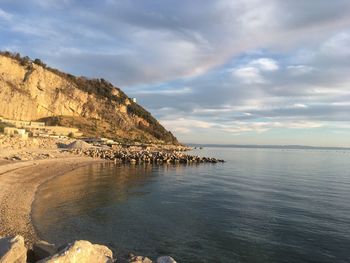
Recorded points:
211,71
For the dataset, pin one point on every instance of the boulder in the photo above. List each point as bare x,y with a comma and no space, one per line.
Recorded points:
165,259
12,250
81,252
80,145
139,259
43,249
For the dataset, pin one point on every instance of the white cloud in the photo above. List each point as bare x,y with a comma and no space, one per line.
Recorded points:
338,45
300,106
5,15
249,75
252,72
183,125
299,69
259,127
49,4
212,110
265,64
170,92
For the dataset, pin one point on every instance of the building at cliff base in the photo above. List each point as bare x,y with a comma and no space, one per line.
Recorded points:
16,132
38,129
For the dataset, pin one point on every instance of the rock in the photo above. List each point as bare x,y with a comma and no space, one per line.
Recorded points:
43,249
139,156
78,144
139,259
12,250
165,259
81,252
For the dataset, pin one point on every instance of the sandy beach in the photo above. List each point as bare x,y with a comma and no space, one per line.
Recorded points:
19,182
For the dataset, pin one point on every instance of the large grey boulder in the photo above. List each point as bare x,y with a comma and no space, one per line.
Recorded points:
165,259
12,250
81,252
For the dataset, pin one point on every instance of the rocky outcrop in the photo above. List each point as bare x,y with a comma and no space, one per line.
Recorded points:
81,252
142,259
126,156
139,259
13,250
165,259
31,91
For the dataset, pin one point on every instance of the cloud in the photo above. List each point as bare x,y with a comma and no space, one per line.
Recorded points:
161,45
299,69
253,70
300,106
249,75
265,64
184,125
5,15
224,67
337,46
168,91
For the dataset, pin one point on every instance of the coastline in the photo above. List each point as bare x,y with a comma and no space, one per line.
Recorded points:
19,182
27,164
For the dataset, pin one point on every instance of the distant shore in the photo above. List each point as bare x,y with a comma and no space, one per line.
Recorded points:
277,147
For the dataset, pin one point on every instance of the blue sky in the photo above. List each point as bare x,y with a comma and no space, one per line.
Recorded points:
249,72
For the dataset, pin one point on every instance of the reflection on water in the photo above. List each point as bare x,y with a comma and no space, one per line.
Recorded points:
88,188
260,206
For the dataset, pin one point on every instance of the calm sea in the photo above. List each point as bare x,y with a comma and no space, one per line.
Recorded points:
262,205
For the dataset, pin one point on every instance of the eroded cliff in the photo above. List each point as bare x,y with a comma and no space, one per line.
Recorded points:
31,91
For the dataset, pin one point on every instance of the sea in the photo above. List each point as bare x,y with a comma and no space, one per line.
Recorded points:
261,205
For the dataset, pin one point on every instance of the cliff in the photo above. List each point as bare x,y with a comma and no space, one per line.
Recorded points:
32,91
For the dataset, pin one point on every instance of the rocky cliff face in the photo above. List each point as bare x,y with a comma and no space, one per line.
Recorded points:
31,91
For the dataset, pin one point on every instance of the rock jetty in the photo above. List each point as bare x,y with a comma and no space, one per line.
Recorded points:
126,156
13,250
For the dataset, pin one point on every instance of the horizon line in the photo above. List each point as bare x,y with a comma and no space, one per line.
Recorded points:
294,146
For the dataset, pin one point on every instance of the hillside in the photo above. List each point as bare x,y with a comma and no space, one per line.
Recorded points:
31,91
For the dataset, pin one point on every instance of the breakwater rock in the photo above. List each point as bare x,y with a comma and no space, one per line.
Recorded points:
13,250
144,156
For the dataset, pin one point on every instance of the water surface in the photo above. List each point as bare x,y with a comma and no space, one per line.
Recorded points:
262,205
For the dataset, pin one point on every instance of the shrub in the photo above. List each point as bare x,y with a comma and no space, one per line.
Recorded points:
39,62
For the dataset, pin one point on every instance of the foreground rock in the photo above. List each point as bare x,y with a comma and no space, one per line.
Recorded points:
12,250
139,259
81,252
43,249
165,259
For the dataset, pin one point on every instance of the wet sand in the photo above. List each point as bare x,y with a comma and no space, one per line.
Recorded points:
19,182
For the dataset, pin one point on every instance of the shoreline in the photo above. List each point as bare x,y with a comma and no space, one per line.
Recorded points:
26,165
20,181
